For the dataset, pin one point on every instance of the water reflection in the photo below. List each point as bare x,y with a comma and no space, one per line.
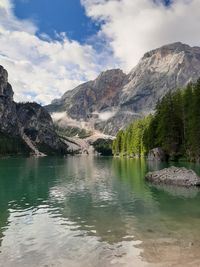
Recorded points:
85,211
168,221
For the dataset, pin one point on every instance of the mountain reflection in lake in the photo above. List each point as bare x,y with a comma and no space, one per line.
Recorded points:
90,211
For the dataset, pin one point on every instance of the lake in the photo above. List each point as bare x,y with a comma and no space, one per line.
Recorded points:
94,212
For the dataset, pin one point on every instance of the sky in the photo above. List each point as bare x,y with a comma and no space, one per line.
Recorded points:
58,15
51,46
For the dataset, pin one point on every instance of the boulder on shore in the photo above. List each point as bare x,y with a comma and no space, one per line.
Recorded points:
174,176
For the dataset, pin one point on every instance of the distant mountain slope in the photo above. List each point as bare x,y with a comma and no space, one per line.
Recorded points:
91,97
114,99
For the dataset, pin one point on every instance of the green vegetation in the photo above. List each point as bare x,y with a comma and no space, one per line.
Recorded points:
12,145
175,127
103,147
131,141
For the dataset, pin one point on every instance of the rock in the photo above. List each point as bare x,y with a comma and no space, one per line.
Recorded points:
114,99
174,176
157,154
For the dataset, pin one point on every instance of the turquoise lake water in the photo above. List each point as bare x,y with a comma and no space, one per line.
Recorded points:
94,212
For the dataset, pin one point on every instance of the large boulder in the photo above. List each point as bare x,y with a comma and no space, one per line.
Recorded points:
174,176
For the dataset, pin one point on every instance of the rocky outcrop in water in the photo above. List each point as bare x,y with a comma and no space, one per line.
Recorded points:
174,176
115,99
29,124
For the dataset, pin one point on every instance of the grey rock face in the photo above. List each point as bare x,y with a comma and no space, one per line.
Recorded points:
116,122
159,71
5,87
156,154
91,97
174,176
37,124
29,122
8,117
137,93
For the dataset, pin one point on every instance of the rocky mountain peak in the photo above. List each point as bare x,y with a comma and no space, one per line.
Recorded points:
169,49
159,71
121,98
165,58
172,57
109,76
91,97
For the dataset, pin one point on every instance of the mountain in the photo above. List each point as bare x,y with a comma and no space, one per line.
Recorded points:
25,127
92,96
114,99
159,71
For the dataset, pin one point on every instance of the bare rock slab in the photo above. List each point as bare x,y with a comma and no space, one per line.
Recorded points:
174,176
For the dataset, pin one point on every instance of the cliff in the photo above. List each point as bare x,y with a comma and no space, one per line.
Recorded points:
25,128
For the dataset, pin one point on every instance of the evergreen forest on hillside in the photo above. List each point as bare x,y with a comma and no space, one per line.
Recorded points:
175,127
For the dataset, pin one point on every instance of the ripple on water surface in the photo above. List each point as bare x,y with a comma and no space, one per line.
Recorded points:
84,211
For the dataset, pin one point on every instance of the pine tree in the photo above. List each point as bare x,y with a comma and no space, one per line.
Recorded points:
195,122
175,127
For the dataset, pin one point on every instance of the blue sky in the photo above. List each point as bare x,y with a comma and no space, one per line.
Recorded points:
61,16
43,63
58,15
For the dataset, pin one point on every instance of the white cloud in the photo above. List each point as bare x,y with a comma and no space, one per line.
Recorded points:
42,69
133,27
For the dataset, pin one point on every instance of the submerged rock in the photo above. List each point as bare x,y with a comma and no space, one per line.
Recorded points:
178,191
174,176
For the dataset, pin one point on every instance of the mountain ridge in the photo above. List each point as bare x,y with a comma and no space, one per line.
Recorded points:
129,96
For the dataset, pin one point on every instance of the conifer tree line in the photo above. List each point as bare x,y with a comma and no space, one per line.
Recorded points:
175,127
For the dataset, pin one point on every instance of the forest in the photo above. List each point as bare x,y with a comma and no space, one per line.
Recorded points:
174,126
12,146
